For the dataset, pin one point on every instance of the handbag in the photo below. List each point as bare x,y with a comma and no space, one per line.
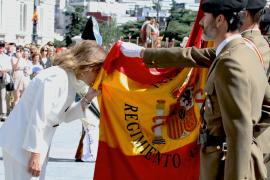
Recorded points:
9,83
6,78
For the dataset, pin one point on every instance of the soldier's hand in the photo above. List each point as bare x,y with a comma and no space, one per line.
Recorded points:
34,167
131,50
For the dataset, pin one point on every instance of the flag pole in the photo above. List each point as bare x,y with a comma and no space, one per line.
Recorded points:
35,21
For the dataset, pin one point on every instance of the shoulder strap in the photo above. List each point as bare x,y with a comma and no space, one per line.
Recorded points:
254,48
267,40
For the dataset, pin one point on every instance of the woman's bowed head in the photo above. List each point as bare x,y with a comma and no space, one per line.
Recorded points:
84,59
49,101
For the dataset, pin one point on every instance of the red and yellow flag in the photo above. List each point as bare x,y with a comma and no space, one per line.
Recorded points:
150,118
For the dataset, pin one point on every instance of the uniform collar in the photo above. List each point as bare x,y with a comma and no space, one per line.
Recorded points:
225,42
251,32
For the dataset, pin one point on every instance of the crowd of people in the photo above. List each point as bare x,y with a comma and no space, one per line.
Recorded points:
19,64
237,89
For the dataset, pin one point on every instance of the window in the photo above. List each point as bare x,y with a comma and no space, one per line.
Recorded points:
76,1
23,16
1,14
40,20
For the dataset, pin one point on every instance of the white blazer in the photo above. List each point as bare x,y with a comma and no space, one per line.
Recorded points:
48,100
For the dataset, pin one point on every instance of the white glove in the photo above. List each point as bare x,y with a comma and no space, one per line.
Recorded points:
130,49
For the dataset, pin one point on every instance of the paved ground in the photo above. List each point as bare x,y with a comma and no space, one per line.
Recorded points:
61,164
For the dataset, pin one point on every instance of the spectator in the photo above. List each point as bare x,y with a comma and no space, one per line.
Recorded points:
45,62
21,74
143,31
50,44
152,33
50,56
11,49
5,67
36,65
26,54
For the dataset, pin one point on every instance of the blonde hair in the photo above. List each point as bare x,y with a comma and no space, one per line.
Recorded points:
81,56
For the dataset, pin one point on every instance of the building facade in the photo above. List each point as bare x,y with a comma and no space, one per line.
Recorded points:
60,18
16,21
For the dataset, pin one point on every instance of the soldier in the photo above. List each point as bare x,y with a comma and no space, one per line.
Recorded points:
235,89
265,23
249,29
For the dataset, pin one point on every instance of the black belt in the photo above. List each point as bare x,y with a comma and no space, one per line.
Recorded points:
215,140
55,125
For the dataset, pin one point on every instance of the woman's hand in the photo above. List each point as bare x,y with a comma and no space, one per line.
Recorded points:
86,100
34,167
91,94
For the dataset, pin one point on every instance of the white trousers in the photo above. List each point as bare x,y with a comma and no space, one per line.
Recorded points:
14,170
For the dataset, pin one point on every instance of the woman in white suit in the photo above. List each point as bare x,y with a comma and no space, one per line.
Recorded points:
26,136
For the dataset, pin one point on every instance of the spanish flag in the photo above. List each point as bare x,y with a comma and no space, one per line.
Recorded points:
150,118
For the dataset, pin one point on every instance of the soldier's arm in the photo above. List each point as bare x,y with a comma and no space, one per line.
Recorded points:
232,88
265,118
266,100
179,57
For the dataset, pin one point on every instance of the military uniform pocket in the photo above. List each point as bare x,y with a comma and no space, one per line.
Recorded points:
211,103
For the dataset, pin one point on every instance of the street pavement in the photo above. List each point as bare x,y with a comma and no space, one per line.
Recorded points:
61,164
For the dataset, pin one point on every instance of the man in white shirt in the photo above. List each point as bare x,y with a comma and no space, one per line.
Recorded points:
5,66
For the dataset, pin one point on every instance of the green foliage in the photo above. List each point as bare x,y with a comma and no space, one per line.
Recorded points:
131,28
173,8
77,23
179,23
110,32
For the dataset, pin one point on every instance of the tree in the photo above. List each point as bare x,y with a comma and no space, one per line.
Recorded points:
110,32
131,28
76,25
179,23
